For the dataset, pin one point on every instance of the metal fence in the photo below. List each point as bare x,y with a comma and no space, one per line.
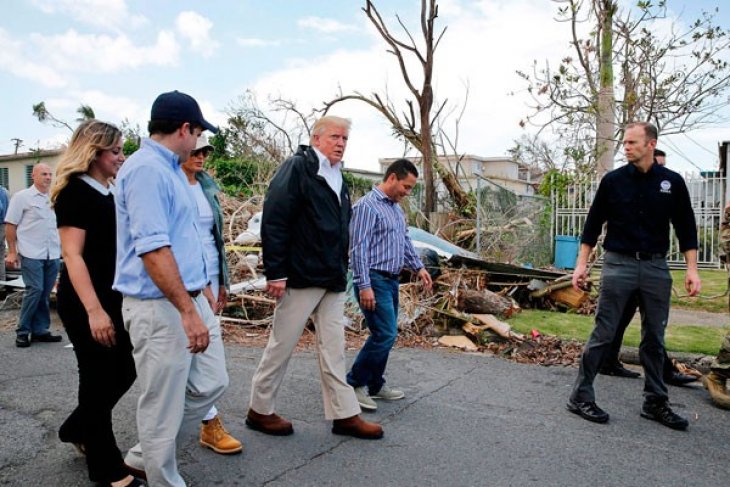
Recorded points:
570,209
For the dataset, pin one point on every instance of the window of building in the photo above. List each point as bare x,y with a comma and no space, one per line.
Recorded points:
4,178
28,175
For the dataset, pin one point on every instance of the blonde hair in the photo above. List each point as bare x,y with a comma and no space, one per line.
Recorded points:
330,120
89,138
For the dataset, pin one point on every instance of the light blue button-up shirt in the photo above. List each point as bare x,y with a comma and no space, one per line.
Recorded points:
155,209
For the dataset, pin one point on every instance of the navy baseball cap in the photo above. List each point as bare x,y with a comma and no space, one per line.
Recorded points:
179,107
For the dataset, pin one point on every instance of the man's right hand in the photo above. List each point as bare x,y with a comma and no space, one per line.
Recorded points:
367,299
12,260
580,276
276,289
197,332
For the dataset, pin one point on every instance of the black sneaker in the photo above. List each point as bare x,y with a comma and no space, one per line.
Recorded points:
47,337
22,341
588,410
660,412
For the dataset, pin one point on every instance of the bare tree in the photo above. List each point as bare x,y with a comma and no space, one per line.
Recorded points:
678,81
415,123
271,132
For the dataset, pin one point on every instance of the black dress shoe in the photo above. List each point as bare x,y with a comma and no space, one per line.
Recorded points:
679,379
588,410
660,412
22,341
618,370
47,337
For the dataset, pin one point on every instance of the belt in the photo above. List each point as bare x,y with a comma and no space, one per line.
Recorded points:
644,255
194,294
389,275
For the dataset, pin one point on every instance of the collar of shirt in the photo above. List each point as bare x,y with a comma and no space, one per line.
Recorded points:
35,192
325,164
169,156
634,171
382,196
95,184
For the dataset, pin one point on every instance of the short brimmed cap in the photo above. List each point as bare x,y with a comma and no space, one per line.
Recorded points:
179,107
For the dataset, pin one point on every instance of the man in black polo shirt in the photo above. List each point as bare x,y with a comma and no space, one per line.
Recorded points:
611,364
637,201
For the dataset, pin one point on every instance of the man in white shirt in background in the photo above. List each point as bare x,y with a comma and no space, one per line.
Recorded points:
33,244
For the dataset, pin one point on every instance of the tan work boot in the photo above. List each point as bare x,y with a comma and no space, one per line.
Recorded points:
714,382
214,436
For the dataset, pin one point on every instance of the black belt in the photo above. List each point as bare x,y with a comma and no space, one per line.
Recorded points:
644,255
389,275
194,294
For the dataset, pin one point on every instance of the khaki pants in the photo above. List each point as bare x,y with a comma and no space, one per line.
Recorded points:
290,317
178,387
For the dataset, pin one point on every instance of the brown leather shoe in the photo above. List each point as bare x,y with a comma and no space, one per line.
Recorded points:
357,427
271,424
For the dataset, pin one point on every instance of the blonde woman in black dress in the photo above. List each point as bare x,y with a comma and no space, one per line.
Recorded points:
90,310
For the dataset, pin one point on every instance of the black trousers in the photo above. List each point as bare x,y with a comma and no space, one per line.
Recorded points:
105,374
624,278
611,358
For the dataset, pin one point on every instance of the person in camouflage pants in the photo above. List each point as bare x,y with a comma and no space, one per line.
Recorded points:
716,380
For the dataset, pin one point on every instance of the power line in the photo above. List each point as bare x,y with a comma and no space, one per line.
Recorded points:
680,153
714,154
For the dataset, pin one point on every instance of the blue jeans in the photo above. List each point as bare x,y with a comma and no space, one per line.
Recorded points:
39,276
369,366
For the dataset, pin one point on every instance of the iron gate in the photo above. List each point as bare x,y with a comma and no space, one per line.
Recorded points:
570,209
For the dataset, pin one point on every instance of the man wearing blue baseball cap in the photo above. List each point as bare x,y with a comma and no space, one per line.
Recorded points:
161,271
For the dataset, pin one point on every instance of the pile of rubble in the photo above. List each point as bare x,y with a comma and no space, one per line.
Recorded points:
470,297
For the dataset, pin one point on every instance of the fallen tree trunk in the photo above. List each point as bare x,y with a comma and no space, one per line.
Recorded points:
486,302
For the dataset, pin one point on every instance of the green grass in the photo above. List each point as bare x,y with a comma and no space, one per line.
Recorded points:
679,338
714,284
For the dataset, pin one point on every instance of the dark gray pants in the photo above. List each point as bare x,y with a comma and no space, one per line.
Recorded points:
623,279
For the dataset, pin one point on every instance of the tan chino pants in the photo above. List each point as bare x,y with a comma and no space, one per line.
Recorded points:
290,317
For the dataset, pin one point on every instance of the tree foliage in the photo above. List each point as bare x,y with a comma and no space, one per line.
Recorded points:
673,75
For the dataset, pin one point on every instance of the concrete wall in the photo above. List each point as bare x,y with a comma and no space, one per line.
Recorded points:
16,165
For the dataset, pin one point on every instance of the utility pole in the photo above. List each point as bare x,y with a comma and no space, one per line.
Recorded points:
18,143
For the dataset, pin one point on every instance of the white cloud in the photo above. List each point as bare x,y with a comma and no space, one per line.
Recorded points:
256,42
14,60
89,53
109,14
481,47
327,26
196,29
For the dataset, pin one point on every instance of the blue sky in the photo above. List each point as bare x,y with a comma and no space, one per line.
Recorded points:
117,55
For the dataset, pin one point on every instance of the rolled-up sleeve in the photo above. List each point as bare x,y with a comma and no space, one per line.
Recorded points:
149,216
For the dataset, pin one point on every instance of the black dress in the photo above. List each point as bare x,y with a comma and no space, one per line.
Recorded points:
105,374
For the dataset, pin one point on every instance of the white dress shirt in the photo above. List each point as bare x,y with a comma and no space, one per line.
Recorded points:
330,173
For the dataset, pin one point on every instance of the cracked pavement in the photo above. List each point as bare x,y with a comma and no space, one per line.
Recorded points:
466,420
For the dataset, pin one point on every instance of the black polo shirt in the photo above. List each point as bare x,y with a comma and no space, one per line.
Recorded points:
638,208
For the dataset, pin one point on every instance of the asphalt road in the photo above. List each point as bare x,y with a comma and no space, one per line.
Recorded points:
467,420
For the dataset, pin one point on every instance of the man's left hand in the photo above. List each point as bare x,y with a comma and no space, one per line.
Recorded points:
425,279
692,282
